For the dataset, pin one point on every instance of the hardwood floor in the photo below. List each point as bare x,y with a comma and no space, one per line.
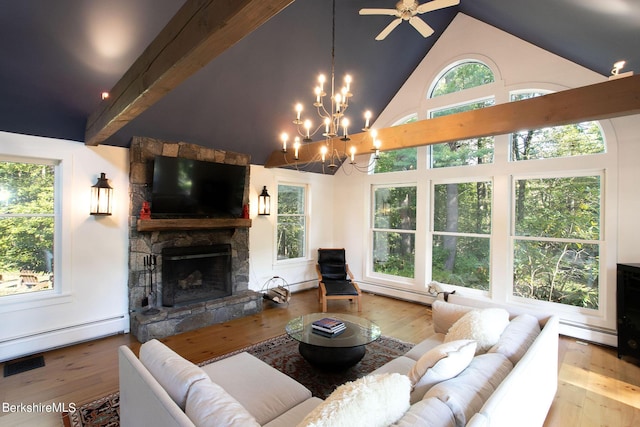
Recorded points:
595,388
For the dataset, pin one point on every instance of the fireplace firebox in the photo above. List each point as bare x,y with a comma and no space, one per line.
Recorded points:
196,273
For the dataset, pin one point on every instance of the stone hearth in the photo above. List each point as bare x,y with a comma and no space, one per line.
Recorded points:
172,320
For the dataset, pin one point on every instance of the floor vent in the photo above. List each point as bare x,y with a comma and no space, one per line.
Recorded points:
23,365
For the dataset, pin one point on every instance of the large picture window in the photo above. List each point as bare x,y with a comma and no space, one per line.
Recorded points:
557,239
394,229
27,225
461,234
523,219
291,222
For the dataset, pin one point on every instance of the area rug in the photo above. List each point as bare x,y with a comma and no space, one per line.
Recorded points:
103,412
280,352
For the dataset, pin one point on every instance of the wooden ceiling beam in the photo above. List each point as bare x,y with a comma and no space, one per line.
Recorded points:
615,98
200,31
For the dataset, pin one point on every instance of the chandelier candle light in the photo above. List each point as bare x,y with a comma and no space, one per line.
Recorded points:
332,119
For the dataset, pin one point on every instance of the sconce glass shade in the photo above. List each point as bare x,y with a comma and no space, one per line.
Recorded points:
101,196
264,202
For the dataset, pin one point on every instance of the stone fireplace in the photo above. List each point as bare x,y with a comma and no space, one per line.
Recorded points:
201,271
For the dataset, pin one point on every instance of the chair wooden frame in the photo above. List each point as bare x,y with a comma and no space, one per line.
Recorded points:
322,291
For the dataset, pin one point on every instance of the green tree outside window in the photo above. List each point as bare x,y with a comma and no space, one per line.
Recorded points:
394,225
27,222
291,222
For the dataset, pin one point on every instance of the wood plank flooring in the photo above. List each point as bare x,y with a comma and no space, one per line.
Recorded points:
595,388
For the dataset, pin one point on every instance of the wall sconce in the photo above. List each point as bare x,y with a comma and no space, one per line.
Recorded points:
101,196
264,202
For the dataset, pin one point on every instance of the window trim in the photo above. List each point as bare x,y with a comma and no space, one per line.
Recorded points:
62,291
443,71
601,242
405,282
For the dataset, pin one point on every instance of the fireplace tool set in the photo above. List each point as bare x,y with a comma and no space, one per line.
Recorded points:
150,299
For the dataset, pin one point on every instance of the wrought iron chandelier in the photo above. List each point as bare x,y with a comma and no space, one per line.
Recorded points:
333,123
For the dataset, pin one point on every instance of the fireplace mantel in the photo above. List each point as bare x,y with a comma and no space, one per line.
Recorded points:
191,224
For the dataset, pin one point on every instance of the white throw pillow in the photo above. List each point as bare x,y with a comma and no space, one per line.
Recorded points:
371,401
439,364
208,404
484,326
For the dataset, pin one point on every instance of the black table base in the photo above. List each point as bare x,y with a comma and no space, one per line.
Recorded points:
332,358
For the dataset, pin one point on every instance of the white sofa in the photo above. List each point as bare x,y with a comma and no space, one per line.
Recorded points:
513,383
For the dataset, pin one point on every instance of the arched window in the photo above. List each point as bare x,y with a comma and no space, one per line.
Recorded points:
398,160
559,141
473,151
462,76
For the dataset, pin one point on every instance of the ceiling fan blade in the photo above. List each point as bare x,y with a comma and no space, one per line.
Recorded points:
422,27
435,5
390,12
384,33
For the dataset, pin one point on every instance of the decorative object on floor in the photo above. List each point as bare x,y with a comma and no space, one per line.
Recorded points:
24,364
103,412
276,289
281,352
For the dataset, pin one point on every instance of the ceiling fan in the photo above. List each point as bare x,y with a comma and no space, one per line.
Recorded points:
407,10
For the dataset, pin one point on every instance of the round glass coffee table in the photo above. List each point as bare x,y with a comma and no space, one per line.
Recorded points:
336,352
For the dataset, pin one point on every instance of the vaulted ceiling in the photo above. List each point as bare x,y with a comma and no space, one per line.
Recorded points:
58,56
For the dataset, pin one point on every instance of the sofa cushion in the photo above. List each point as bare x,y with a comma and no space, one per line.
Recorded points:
296,414
425,345
427,413
372,401
266,398
209,405
399,365
466,393
174,373
438,364
484,326
517,337
445,314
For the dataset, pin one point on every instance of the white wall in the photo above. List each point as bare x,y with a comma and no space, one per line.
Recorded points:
628,233
91,299
299,274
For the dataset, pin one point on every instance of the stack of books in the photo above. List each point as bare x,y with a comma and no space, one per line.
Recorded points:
328,326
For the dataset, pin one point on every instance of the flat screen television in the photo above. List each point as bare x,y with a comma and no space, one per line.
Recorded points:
184,188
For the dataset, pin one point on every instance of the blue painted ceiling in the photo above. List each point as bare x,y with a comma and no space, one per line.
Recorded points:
56,57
